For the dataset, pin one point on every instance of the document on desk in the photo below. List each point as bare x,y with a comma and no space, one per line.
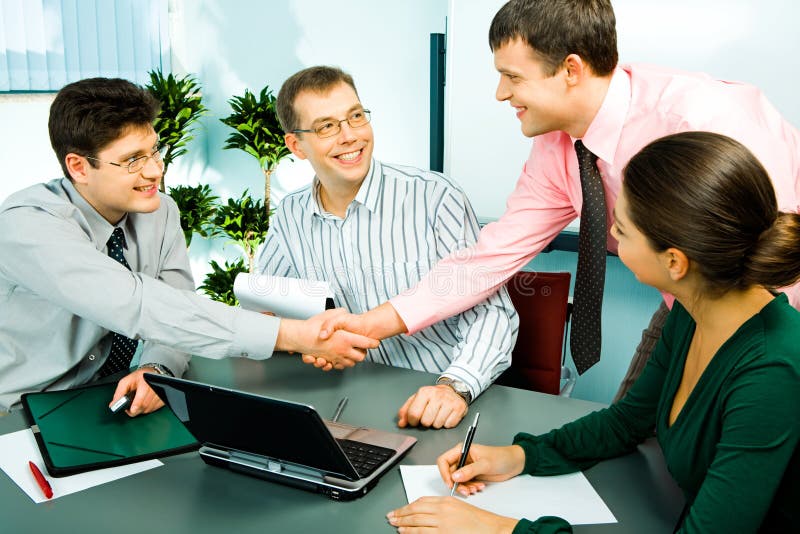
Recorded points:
570,497
292,298
20,447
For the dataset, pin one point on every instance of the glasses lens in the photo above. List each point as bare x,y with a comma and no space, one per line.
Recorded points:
327,129
137,164
358,118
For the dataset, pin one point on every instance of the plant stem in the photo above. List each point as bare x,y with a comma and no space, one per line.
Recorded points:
267,175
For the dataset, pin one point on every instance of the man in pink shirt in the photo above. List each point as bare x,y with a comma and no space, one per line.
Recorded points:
558,69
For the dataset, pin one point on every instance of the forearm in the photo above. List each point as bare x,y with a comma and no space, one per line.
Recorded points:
381,322
488,333
578,445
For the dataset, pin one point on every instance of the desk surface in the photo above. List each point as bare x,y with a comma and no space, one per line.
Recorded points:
186,495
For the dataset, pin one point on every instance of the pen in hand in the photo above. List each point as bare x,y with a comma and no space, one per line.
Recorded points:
339,409
465,449
41,481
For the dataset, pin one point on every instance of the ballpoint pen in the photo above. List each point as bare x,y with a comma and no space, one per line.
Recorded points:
465,449
339,409
41,481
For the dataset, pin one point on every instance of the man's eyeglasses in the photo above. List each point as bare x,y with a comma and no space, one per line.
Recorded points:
135,165
332,127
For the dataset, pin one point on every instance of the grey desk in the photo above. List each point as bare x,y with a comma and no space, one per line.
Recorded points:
185,495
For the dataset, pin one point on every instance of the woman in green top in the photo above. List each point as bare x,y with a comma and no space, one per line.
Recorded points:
696,218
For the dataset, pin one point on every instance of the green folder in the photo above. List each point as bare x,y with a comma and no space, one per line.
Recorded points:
76,431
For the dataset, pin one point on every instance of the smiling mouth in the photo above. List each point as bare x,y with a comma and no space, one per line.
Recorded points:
145,188
349,156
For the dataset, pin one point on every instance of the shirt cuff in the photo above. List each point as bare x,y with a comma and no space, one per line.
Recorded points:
408,308
545,525
254,335
528,444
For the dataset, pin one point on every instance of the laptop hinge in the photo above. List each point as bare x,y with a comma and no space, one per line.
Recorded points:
274,466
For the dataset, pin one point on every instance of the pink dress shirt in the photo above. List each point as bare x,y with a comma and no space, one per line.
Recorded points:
643,103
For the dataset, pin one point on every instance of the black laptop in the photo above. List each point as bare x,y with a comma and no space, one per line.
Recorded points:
280,440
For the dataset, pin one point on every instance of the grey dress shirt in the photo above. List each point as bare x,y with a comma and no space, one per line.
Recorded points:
61,295
401,222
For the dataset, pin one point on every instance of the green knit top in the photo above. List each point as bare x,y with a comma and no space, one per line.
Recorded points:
732,448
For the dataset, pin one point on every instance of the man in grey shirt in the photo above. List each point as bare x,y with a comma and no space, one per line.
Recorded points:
96,261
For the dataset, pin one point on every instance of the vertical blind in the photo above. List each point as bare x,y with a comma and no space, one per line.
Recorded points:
45,44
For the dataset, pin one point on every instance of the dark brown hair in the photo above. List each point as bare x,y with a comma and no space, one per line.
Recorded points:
557,28
318,79
88,115
708,196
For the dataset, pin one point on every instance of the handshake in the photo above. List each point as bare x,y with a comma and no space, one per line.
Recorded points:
333,339
336,339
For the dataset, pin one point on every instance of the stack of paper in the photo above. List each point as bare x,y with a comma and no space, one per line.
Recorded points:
570,497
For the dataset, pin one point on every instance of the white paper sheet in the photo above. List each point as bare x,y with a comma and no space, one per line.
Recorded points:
292,298
20,447
567,496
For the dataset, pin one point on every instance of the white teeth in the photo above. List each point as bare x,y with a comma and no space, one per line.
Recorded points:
349,156
145,188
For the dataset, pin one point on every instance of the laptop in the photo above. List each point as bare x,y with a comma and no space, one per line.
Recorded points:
279,440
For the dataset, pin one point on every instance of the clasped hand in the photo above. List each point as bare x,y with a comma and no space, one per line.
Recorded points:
336,324
341,348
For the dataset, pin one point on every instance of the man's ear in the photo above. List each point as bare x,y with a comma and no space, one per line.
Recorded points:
575,69
293,144
677,263
77,166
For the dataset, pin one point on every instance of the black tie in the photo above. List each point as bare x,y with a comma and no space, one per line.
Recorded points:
122,348
584,340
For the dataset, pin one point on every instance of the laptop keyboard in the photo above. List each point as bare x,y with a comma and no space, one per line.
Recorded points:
365,457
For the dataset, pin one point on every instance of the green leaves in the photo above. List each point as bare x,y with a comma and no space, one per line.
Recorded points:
257,132
181,106
219,282
197,206
245,222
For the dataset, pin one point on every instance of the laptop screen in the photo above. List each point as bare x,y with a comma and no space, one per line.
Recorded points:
274,428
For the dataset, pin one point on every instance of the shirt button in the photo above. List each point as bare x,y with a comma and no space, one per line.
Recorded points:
91,357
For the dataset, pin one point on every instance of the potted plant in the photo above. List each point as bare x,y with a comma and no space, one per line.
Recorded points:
245,222
257,132
197,205
181,106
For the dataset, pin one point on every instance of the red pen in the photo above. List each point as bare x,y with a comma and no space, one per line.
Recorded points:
46,489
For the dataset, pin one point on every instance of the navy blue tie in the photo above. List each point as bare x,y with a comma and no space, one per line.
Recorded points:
122,348
584,339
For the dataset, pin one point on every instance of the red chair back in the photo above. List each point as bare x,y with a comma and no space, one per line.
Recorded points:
541,300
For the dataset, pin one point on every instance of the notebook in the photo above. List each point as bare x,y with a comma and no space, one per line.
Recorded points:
76,432
279,440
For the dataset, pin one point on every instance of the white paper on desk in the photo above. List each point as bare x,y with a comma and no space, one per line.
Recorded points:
570,497
293,298
20,447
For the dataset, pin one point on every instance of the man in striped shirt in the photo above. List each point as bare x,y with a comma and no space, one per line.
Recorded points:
372,230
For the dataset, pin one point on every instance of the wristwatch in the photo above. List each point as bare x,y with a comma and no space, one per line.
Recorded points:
458,386
157,367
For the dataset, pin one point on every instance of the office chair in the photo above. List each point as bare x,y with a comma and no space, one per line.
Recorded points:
537,362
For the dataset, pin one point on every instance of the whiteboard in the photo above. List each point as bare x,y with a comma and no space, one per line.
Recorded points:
742,40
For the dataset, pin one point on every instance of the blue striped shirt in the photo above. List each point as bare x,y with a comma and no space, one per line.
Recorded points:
401,222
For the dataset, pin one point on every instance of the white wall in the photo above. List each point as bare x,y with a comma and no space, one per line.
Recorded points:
250,43
744,40
232,45
25,150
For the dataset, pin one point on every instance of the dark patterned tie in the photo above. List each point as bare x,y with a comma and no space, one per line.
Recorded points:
584,339
122,348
